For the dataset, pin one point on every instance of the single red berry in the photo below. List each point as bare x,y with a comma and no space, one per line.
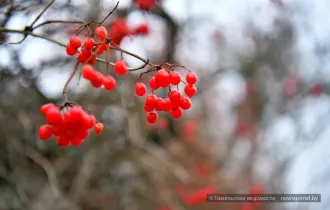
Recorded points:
175,78
153,83
89,43
77,115
45,132
145,4
105,47
148,108
317,89
99,49
98,80
190,90
98,128
82,58
142,29
83,133
92,59
120,67
152,117
75,41
176,112
185,103
109,82
160,104
151,100
63,141
53,116
140,89
44,108
89,121
101,33
191,78
119,29
168,105
76,141
88,72
163,78
174,95
86,52
70,50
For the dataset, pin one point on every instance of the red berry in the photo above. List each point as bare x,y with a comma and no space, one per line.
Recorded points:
83,133
89,43
140,89
174,95
88,72
163,78
153,83
92,59
142,29
145,4
98,80
191,78
86,52
317,89
151,100
168,105
98,128
175,78
70,50
152,117
101,33
190,90
176,112
89,121
99,49
160,104
44,108
75,41
45,132
120,67
63,141
119,29
76,141
82,57
185,103
148,108
53,116
109,82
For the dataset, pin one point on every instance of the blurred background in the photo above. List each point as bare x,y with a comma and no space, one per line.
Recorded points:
260,122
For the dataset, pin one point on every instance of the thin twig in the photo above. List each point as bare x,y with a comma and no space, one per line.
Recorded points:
42,12
25,32
110,13
75,68
58,21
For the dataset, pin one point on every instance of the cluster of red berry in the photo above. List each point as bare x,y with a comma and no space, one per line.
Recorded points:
175,103
97,79
119,29
89,49
72,127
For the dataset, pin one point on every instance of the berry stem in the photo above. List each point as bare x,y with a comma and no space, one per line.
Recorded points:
109,13
75,68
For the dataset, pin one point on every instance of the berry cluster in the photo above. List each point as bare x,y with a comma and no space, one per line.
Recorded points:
89,49
71,127
97,79
119,29
175,103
